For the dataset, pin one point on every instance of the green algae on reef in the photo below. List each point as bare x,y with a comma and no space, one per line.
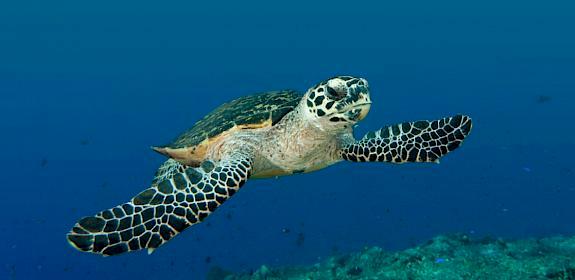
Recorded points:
444,257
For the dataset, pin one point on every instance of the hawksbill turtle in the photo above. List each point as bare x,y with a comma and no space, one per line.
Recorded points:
260,136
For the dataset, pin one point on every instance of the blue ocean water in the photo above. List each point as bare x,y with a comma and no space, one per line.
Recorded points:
87,87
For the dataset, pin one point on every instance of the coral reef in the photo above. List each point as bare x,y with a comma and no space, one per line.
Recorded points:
444,257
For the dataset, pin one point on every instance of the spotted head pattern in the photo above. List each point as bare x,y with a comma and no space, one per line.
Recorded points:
342,99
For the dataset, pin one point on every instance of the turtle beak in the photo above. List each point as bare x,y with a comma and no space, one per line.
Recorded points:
359,111
361,106
364,110
360,96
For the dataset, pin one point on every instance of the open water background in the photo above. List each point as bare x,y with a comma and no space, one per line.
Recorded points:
87,87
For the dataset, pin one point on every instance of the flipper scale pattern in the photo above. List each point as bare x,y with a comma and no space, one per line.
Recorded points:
420,141
179,197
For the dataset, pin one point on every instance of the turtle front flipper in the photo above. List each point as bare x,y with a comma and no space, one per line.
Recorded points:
180,196
420,141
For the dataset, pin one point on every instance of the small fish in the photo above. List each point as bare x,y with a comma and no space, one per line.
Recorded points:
543,99
300,239
12,269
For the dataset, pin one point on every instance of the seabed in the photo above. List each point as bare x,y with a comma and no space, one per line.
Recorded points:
444,257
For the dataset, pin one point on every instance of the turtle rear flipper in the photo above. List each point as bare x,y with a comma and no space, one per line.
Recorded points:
420,141
180,196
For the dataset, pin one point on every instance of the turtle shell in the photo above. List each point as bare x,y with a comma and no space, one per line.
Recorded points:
249,112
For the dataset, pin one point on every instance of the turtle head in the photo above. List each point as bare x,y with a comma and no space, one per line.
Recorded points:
338,102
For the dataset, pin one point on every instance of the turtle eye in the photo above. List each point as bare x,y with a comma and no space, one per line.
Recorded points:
336,94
